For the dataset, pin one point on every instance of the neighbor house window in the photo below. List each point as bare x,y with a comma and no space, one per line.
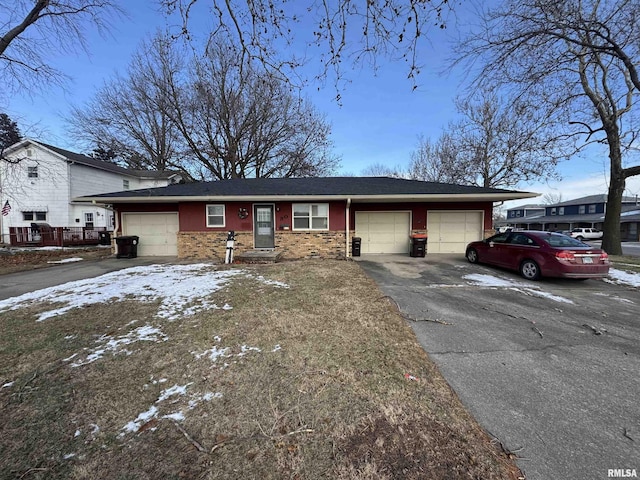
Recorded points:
215,215
311,216
88,219
553,211
125,184
592,209
561,211
32,172
34,216
581,209
518,213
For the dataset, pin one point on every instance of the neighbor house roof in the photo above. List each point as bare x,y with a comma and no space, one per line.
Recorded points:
93,162
590,200
321,188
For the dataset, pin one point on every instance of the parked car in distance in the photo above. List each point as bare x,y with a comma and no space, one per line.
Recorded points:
536,254
586,234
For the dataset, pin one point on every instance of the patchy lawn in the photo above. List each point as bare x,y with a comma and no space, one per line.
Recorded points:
297,370
30,259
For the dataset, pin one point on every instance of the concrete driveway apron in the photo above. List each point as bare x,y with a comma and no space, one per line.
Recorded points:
551,368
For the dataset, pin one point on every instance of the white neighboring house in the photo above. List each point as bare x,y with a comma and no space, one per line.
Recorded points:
44,179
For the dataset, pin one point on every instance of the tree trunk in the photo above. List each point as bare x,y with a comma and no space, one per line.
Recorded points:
611,240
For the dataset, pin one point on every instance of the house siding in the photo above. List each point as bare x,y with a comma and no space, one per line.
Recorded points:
49,191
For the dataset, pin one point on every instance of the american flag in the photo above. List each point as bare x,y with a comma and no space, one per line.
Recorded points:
6,209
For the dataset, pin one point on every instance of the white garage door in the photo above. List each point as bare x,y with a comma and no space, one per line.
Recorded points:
383,232
450,232
157,232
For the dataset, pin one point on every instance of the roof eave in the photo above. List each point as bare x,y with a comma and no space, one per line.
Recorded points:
425,198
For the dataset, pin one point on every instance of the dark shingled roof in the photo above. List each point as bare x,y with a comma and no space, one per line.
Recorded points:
312,186
102,165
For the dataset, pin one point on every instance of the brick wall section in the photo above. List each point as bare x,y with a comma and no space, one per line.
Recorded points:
293,245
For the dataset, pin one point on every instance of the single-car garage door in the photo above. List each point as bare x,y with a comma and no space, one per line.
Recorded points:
157,232
450,232
383,232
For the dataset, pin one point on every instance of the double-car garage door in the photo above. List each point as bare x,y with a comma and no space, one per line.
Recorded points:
157,232
388,232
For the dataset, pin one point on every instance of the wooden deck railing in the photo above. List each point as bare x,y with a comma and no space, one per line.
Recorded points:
54,236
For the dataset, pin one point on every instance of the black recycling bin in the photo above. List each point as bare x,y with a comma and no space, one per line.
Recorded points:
127,246
418,246
356,244
104,238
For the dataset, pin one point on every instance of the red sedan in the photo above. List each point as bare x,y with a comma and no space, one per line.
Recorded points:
535,254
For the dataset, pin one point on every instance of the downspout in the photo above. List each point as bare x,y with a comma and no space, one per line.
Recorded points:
347,227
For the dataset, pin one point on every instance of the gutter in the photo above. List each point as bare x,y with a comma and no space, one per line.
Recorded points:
405,198
347,227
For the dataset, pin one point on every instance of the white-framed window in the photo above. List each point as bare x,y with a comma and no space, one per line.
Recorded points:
125,184
88,219
581,209
518,213
311,216
215,216
592,209
32,172
560,210
34,216
553,211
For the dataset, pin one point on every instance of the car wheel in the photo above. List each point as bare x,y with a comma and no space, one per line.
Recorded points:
472,255
580,238
530,270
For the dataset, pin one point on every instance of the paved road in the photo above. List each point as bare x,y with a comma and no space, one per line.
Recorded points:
566,400
15,284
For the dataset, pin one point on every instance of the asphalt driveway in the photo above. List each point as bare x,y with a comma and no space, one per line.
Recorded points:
551,368
14,284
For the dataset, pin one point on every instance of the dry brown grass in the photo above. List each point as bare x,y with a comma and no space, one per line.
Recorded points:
332,401
625,262
21,260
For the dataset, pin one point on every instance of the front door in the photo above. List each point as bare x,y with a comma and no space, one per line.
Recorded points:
263,226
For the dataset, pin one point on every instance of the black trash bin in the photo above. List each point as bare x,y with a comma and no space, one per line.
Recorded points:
356,244
104,238
127,246
418,245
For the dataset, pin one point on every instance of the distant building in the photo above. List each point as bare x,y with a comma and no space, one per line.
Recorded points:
39,181
581,212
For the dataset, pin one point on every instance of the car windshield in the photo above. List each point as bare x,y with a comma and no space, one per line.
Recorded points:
563,241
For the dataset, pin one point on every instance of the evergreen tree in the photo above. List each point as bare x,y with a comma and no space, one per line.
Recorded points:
9,132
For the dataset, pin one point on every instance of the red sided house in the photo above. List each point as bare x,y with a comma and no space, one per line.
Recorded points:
303,217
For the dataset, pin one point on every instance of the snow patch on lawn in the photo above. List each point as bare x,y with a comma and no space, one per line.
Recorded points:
114,346
182,290
622,277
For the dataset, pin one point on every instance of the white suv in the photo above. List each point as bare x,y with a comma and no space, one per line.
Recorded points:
586,234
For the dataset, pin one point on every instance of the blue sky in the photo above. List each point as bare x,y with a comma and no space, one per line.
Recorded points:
378,121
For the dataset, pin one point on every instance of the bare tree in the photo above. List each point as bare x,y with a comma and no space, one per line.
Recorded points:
213,117
436,162
496,143
577,61
382,170
129,115
345,30
32,31
552,198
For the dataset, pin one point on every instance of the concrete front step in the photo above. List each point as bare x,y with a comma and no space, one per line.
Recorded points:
258,256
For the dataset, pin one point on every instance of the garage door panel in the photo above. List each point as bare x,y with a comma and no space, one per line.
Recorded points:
450,232
383,232
157,232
